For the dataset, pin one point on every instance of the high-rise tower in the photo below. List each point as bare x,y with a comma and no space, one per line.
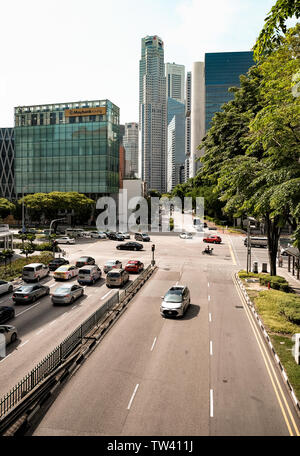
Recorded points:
152,114
175,81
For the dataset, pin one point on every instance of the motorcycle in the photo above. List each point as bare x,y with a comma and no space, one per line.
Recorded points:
208,252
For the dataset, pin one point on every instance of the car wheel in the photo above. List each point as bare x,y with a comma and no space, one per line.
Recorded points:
81,293
10,288
119,248
135,249
13,337
33,299
48,292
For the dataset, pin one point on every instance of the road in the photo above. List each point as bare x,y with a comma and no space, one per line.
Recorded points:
42,326
205,374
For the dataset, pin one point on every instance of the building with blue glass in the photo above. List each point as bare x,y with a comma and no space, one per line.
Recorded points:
222,71
67,147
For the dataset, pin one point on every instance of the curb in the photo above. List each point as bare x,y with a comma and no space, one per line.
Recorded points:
267,338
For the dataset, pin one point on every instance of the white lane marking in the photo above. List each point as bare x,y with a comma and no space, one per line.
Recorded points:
209,317
132,397
53,285
103,297
52,322
208,284
153,344
63,315
210,348
24,343
31,307
5,358
211,394
209,297
74,306
40,331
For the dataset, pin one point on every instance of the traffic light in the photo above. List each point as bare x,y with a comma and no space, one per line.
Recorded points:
153,247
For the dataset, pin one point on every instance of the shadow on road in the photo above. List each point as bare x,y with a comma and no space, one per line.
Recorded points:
192,312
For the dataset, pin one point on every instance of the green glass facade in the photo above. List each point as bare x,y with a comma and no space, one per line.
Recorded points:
55,152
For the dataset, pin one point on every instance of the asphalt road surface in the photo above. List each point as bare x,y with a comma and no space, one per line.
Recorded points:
209,373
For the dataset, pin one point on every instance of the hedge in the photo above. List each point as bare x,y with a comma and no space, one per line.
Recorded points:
14,270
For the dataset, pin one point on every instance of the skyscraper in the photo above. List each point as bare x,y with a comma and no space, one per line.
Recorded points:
223,70
152,114
131,144
176,143
197,115
175,81
188,108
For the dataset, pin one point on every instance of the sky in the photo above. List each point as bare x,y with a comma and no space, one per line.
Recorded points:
56,51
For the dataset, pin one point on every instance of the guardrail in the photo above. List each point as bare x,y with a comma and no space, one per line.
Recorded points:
54,359
60,354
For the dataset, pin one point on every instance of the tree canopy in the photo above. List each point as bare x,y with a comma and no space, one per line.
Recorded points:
252,149
270,36
6,207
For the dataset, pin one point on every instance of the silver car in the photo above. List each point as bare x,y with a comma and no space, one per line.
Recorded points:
175,302
116,278
112,264
10,334
66,294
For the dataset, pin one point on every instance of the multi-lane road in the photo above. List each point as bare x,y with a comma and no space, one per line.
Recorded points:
209,373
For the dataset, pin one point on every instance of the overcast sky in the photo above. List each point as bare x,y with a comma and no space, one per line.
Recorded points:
69,50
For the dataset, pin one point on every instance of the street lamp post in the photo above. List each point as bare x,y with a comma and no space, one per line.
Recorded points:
248,246
23,215
52,221
153,249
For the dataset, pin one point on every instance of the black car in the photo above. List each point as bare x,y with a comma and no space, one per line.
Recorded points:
115,237
54,264
6,313
84,260
130,246
30,293
142,237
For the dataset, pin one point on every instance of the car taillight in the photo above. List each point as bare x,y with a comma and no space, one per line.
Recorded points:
68,296
26,297
13,295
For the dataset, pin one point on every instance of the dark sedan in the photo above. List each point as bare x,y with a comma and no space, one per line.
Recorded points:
54,264
6,313
115,237
30,293
130,246
84,260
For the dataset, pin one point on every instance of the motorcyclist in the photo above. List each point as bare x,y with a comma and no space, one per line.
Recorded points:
207,249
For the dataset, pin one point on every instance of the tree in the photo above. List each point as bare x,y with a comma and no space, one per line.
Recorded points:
27,249
6,207
270,36
49,204
262,177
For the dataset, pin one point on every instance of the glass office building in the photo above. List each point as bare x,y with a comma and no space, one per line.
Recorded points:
7,153
67,147
222,70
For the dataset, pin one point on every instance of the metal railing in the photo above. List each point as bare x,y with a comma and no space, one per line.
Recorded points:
54,359
135,284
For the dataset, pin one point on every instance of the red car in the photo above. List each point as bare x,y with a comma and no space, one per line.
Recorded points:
213,239
134,266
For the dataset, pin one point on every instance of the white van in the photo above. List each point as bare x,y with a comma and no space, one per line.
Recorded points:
89,274
74,232
34,272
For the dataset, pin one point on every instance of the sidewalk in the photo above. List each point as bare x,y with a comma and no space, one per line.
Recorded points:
293,282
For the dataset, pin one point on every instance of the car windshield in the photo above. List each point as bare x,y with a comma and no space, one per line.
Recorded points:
28,269
144,234
63,290
114,274
63,268
84,271
110,263
174,296
24,289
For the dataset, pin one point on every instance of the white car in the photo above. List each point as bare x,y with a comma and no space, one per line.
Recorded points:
65,240
10,334
5,287
98,235
186,235
112,264
126,235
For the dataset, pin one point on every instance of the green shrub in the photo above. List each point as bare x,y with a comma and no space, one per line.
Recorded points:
15,269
